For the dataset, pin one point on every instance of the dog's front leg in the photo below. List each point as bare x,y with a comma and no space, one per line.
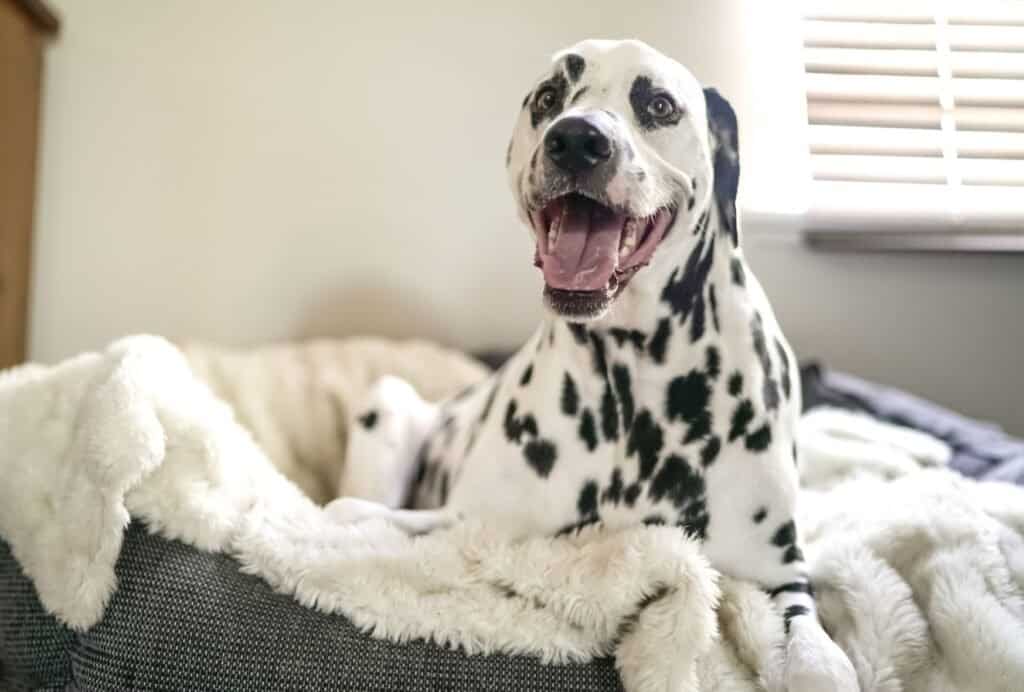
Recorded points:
752,535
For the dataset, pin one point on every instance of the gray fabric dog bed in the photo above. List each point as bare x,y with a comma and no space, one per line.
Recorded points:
182,619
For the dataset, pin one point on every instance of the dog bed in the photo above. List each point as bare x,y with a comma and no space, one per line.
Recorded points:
149,543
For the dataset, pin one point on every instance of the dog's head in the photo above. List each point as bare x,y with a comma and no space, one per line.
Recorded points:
617,154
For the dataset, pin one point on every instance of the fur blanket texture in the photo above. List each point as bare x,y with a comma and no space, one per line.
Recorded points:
919,572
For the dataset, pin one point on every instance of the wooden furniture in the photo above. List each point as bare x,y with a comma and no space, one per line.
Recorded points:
25,26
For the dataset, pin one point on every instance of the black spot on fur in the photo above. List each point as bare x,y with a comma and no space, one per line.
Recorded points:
579,332
688,398
770,393
697,526
690,202
588,430
631,494
613,493
641,175
600,358
699,429
710,451
784,364
713,362
683,291
698,319
760,439
527,375
540,455
739,275
713,302
609,415
624,390
724,135
785,535
659,342
736,383
587,502
645,441
654,520
760,514
640,95
368,420
791,555
793,587
574,66
760,346
796,459
516,426
633,336
576,527
741,419
702,222
677,481
570,396
792,612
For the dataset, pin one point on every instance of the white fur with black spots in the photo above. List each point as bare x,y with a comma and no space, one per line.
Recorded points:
659,388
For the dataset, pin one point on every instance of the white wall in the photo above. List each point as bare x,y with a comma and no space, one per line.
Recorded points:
254,171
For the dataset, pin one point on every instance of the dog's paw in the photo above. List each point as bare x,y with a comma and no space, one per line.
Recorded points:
350,510
815,663
419,522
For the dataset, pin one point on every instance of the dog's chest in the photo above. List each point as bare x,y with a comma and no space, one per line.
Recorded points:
619,425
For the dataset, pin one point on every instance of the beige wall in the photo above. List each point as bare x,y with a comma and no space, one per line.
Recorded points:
253,171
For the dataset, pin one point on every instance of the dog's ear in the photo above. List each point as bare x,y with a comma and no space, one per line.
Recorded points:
725,157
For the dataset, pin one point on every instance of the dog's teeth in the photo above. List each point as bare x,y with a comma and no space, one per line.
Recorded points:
556,227
629,239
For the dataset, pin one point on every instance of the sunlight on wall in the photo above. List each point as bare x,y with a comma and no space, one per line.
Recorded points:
247,172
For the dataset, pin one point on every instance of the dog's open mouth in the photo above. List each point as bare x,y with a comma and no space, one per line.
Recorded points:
587,250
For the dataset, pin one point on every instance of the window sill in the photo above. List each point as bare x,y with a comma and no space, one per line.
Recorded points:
914,241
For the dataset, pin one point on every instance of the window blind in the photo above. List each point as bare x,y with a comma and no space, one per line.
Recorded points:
916,114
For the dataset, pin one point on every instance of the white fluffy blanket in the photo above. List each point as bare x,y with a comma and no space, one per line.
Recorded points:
920,573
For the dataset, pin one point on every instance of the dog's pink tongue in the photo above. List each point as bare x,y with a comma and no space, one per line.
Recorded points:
586,252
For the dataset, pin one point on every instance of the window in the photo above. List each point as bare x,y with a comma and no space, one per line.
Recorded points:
916,121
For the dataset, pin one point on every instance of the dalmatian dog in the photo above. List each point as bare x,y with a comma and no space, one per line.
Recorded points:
658,389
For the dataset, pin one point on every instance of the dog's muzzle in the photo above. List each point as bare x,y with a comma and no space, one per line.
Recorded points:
587,248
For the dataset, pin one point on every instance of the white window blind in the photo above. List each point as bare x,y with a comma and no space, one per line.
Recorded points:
916,115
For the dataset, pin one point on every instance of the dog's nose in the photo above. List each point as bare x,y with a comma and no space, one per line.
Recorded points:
576,146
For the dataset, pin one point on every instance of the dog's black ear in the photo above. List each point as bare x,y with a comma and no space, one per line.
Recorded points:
725,157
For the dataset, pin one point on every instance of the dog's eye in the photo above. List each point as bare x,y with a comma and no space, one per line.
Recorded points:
545,100
661,106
